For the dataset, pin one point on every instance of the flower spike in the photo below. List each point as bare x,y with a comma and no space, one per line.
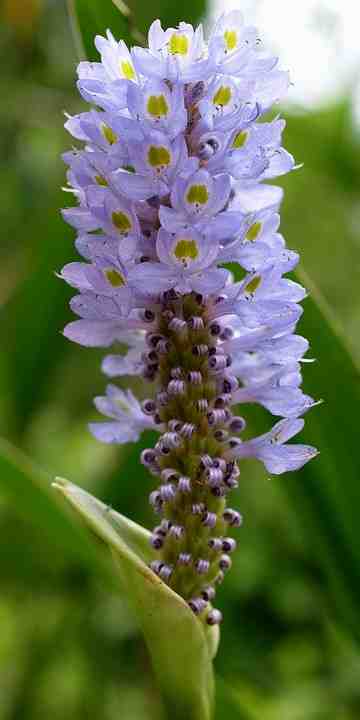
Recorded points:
170,189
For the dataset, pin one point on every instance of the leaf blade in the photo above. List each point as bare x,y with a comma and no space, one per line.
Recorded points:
176,639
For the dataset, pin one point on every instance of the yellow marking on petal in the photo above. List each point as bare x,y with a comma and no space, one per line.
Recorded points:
101,180
109,134
114,277
121,221
178,45
186,249
158,156
222,96
123,405
253,231
127,69
197,194
240,139
253,285
157,106
230,37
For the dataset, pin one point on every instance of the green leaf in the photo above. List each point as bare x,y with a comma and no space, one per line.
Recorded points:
170,13
93,17
180,647
28,488
326,494
228,703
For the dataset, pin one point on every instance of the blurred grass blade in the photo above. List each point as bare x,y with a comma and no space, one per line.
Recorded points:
175,638
29,491
228,703
170,13
327,493
93,17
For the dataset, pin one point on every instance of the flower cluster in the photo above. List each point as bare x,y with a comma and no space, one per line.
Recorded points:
169,183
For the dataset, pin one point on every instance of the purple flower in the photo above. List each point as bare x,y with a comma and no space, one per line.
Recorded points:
128,419
171,186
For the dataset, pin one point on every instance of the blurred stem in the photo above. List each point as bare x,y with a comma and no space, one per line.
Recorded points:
75,29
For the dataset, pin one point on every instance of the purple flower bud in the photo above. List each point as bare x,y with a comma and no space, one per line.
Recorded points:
218,362
153,338
184,485
156,541
237,425
161,529
149,373
197,605
168,474
226,333
234,443
220,435
176,387
220,463
225,562
196,323
148,407
215,544
198,509
231,482
187,430
150,357
147,315
222,401
194,377
184,559
215,329
176,325
162,398
176,373
176,532
156,566
148,457
200,350
232,517
214,476
230,384
165,572
216,417
205,461
171,439
210,520
214,617
208,593
202,566
167,492
202,405
218,491
175,425
155,500
228,544
163,347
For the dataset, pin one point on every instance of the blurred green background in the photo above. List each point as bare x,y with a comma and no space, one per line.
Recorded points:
69,646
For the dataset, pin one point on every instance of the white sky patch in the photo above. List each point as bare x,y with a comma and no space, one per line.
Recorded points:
317,40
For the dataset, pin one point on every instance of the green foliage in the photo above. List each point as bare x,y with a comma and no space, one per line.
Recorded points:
94,17
290,639
178,643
